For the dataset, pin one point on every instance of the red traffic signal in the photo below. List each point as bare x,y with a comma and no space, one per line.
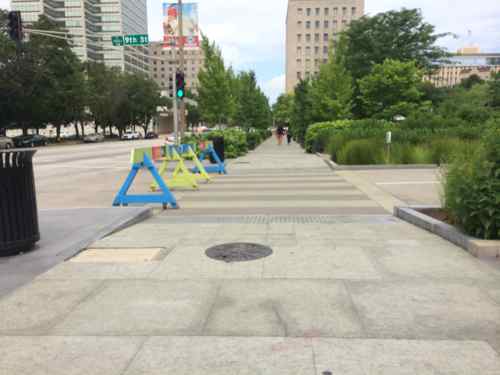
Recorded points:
15,26
180,85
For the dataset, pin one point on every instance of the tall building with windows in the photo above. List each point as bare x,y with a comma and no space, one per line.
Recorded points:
164,62
92,23
312,26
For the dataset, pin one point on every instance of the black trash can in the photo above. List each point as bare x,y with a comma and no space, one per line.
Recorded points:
19,230
219,149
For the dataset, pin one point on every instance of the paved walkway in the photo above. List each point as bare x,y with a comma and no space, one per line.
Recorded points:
349,289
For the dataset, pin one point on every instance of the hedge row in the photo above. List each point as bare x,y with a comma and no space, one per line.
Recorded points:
363,141
236,142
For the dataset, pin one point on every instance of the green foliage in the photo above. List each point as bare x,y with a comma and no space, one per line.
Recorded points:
316,134
471,81
43,82
216,97
472,188
442,149
332,90
494,91
361,152
282,109
398,35
470,106
252,106
228,98
391,89
302,114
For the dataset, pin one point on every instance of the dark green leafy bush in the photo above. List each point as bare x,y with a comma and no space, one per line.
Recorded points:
472,188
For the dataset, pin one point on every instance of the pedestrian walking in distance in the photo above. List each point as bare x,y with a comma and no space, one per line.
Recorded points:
288,136
280,133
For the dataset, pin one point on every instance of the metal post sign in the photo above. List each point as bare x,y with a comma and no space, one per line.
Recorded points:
117,40
130,40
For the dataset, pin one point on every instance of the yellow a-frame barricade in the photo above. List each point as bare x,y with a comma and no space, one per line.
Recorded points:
182,177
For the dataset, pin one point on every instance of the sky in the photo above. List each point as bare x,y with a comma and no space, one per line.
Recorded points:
251,33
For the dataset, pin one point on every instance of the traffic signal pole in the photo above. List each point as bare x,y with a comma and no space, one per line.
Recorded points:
182,104
176,112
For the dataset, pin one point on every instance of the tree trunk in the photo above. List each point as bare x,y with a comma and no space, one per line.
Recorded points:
82,124
96,128
58,132
77,130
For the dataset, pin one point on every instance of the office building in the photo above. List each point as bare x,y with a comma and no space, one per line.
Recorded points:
165,62
312,26
92,23
466,62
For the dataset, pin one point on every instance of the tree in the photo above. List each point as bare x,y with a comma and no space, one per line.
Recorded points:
468,105
142,100
468,82
41,81
398,35
391,89
252,106
215,96
494,91
282,109
302,114
332,89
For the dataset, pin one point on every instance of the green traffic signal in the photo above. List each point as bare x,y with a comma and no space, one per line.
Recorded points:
180,94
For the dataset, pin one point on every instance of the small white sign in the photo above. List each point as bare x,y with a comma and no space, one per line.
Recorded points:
388,138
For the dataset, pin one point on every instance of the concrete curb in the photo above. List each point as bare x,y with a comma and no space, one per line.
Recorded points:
478,248
338,167
134,216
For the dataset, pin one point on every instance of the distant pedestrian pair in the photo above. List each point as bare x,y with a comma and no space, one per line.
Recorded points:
281,132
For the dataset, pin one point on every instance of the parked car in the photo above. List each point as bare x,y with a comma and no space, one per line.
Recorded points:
33,140
151,135
93,138
6,143
130,136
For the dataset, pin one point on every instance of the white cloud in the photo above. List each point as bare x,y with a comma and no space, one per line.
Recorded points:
274,87
4,4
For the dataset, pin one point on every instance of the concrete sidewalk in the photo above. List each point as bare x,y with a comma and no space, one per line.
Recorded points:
348,289
64,233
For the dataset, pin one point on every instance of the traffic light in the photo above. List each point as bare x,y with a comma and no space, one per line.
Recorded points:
15,26
180,85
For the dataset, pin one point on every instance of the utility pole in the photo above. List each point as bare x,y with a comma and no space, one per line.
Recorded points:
176,112
182,104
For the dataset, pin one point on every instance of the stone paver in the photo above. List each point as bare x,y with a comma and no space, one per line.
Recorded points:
348,290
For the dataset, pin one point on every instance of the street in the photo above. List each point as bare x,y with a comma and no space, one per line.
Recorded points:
83,175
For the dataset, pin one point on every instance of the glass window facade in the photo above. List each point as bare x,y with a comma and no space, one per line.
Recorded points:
92,23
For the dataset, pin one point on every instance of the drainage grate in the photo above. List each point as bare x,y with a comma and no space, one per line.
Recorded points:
264,219
238,252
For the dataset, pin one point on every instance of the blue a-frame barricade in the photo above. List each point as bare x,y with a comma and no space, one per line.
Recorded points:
165,197
219,167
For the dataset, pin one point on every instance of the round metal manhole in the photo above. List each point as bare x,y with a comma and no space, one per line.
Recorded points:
238,252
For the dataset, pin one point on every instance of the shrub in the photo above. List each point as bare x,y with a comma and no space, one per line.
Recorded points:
235,141
335,144
316,130
472,188
443,149
253,140
362,152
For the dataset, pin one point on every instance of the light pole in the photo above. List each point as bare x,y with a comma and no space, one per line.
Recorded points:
182,105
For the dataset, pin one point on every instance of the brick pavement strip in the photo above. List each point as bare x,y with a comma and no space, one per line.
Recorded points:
348,290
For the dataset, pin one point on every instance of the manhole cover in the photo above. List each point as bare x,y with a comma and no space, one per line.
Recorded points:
238,252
